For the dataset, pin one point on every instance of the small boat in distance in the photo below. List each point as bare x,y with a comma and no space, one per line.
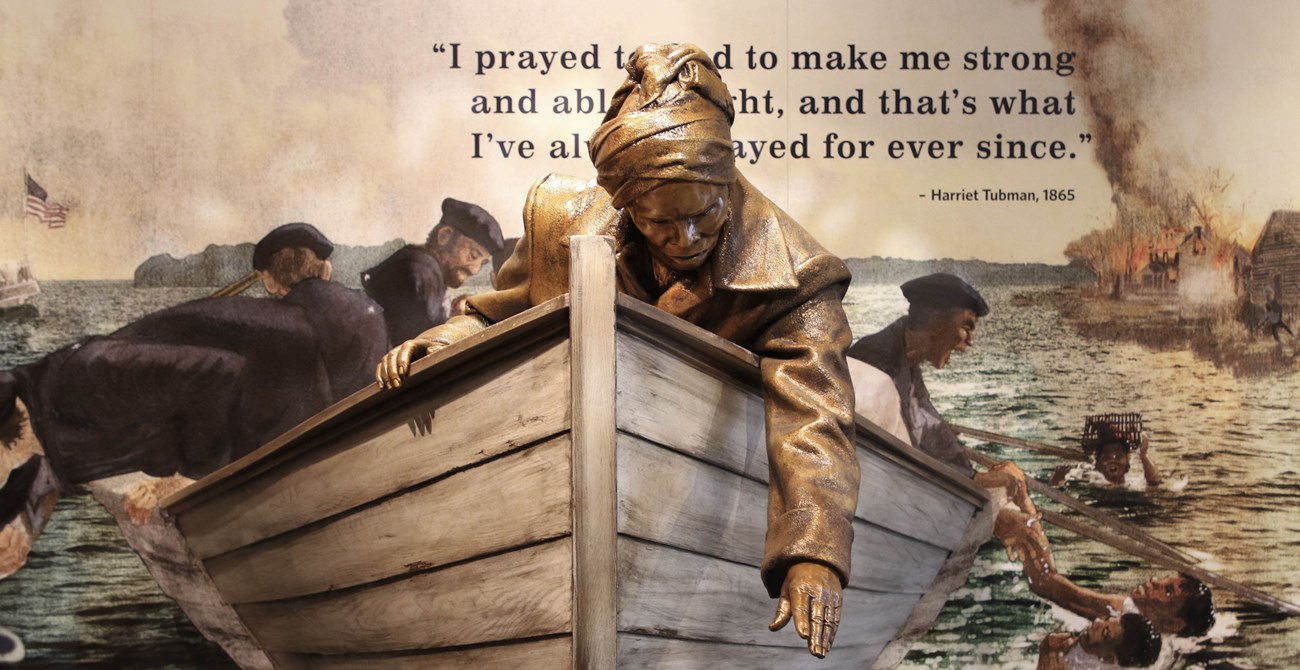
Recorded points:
16,288
583,485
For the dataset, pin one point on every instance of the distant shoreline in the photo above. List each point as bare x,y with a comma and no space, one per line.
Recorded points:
1214,334
219,265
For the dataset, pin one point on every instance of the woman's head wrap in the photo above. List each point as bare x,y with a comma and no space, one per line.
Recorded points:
670,121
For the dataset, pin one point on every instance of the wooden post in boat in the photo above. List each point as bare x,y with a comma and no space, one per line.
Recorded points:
595,519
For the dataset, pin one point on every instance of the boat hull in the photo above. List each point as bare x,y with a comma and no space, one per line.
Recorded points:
13,297
580,486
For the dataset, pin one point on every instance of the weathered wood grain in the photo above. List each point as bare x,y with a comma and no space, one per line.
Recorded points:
640,651
896,499
698,345
519,499
525,593
670,593
704,351
952,576
667,400
179,574
595,525
542,654
672,499
659,399
467,358
521,400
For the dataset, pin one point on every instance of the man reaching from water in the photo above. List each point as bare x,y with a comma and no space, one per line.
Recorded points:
1178,604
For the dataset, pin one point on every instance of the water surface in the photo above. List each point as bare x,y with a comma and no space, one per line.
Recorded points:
85,600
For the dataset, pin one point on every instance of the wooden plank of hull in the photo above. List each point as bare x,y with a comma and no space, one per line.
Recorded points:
471,357
951,577
672,499
659,400
516,500
641,651
548,653
524,398
525,593
670,593
179,574
896,499
706,351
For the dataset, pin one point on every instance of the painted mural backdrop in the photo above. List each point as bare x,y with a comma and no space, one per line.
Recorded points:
1114,176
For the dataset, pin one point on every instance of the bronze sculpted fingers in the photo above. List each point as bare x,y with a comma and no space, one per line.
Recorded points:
396,364
825,615
782,615
816,633
802,604
811,596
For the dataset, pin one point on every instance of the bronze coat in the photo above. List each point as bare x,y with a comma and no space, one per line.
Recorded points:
768,286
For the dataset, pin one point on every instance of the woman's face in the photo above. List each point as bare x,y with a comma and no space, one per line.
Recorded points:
1113,462
681,221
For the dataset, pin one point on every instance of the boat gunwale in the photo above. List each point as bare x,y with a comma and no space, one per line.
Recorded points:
455,361
704,348
701,346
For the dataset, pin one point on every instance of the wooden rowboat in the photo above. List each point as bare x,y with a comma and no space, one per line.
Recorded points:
580,486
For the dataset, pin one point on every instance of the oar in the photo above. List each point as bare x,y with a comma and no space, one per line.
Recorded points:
1119,525
1069,454
238,286
1145,552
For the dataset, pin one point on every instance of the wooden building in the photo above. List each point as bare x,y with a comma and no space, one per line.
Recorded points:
1275,260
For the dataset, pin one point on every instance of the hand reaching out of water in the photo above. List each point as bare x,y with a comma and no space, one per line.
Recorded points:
1025,540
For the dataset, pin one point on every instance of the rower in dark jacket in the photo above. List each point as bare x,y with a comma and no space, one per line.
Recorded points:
349,326
412,284
185,390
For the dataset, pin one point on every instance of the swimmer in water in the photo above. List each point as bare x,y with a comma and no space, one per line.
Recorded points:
1129,641
1110,440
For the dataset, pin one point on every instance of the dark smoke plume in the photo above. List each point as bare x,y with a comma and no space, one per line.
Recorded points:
1134,57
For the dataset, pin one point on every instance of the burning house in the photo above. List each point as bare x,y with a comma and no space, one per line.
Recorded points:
1194,267
1205,272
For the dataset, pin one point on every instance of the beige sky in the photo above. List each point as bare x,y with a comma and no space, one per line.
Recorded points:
167,126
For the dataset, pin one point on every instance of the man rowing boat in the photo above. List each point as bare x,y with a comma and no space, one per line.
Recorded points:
183,391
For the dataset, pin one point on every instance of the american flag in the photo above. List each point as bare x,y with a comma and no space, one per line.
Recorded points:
39,205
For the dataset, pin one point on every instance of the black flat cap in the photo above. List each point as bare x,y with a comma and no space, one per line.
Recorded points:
473,222
291,235
943,290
